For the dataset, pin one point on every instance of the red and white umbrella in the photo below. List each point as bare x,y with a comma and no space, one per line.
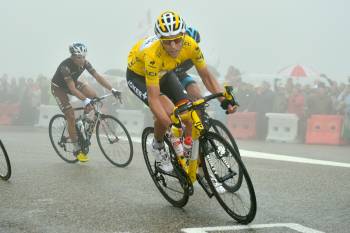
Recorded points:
298,71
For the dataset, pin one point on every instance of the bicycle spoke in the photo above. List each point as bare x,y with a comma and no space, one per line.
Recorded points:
221,162
114,141
59,136
171,186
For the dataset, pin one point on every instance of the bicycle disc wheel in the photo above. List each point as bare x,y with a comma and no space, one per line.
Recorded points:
5,165
59,138
219,128
114,141
221,164
174,187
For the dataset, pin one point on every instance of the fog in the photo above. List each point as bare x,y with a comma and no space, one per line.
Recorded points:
256,36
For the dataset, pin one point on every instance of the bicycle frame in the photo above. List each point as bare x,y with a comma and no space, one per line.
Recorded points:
97,107
188,112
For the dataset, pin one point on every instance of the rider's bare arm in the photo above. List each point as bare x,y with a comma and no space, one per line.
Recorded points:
209,80
212,85
101,80
73,89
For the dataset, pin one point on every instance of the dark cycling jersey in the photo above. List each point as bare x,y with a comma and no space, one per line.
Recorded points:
183,67
69,70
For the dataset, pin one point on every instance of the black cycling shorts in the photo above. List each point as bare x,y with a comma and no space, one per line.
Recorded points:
170,86
185,79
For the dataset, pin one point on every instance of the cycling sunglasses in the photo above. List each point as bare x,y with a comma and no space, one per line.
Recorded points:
176,40
80,57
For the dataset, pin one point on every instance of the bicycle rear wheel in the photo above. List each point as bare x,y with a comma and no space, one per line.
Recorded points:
5,165
174,187
219,128
220,160
59,138
114,141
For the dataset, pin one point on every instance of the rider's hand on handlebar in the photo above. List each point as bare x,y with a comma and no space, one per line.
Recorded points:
117,94
229,106
87,105
86,102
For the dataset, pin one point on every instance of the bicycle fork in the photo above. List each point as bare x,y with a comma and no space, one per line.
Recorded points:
230,174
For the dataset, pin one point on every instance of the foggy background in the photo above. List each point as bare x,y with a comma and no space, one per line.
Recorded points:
244,42
256,36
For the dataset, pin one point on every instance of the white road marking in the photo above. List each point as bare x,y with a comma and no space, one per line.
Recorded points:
293,226
261,155
286,158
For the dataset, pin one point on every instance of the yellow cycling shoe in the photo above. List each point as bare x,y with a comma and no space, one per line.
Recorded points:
82,157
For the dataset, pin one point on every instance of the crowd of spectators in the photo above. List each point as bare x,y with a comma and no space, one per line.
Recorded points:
324,96
27,93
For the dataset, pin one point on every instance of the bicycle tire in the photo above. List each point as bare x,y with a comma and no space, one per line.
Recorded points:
223,131
8,171
214,147
69,157
163,180
122,133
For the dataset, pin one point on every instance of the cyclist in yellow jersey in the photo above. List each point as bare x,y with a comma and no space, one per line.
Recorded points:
148,76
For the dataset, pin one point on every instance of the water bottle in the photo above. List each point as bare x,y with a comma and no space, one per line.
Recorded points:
187,145
81,128
176,141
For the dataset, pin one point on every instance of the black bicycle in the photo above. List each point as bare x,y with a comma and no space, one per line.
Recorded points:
221,164
112,136
5,165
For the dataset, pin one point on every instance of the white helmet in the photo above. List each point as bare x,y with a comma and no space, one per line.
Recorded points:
168,24
77,48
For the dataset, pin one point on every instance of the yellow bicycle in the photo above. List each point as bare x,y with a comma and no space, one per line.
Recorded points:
221,163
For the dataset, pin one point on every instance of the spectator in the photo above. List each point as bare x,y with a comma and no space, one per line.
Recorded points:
296,102
263,105
44,86
319,102
4,89
296,105
12,91
280,98
346,103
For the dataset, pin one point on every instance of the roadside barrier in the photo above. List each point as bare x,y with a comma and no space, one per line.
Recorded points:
283,127
242,125
8,113
133,120
46,113
324,129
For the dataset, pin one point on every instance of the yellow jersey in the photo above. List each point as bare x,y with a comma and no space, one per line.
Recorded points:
149,59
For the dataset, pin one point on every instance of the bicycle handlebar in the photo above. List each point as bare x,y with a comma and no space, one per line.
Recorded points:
228,94
99,99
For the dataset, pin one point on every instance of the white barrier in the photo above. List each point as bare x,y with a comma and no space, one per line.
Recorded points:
46,113
283,127
133,120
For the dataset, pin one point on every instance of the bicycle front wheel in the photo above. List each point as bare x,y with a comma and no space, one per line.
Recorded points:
222,165
219,128
173,186
114,141
5,165
59,137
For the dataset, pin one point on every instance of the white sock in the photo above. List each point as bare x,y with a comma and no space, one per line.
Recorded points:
76,146
157,145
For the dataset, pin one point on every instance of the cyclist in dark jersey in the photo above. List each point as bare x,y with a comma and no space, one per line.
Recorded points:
65,82
186,80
